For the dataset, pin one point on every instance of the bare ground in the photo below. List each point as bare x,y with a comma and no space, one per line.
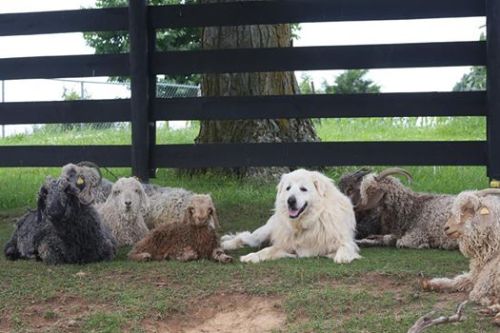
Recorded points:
218,313
224,314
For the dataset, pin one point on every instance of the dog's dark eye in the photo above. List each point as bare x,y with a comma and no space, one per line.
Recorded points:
137,191
116,192
288,188
303,189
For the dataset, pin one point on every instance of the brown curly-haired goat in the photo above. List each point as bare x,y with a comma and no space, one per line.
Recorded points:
193,238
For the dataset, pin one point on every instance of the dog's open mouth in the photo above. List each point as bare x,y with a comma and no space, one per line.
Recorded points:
294,213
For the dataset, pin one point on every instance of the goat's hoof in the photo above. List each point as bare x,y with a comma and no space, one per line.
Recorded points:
425,284
225,259
144,256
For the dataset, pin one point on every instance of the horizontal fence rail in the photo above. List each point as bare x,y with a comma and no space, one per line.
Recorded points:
326,153
56,156
304,11
238,13
322,106
322,57
64,66
259,154
82,111
438,104
243,60
108,19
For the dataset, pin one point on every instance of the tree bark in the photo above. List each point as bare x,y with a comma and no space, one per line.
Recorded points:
249,84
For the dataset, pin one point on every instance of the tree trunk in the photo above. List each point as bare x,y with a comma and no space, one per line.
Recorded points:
249,84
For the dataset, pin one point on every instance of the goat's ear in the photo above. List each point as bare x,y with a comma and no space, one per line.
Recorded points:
370,193
144,201
188,214
373,200
86,195
215,218
469,206
41,202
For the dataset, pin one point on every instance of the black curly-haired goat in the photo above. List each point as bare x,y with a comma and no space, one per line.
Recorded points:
65,229
367,221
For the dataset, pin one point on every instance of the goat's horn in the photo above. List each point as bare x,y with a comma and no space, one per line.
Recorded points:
488,191
92,165
394,171
361,172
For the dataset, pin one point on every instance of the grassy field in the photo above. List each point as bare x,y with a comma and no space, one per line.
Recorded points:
376,294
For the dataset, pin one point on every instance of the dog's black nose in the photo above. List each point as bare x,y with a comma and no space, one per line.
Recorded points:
128,203
292,201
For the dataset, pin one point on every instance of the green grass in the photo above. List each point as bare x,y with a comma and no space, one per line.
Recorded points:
376,294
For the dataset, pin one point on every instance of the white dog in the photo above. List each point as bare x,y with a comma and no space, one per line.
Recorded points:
312,218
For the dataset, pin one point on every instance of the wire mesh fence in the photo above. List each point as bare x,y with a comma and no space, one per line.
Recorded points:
64,89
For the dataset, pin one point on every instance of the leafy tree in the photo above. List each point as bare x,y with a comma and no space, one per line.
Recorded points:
166,39
475,79
306,84
352,82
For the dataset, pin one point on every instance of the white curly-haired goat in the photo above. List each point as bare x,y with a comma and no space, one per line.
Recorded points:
124,211
475,223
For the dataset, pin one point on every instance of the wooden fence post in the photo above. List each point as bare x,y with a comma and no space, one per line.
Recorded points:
493,88
152,96
139,85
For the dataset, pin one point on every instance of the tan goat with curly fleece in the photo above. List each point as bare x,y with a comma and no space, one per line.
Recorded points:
475,222
192,238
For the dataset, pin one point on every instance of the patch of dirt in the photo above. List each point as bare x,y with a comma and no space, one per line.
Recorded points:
225,314
60,313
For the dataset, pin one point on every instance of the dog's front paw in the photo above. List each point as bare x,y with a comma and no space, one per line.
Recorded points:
227,237
252,257
345,255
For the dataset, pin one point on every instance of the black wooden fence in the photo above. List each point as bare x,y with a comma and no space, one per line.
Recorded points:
144,63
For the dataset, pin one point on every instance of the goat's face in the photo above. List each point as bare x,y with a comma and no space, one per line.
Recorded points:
128,196
472,216
374,188
85,177
350,185
371,193
57,199
201,211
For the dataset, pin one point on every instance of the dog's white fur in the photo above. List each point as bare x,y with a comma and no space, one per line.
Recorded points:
325,227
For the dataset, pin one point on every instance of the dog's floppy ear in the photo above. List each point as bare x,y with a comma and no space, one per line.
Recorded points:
321,183
281,184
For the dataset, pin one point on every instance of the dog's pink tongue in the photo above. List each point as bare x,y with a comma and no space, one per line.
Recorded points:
293,212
